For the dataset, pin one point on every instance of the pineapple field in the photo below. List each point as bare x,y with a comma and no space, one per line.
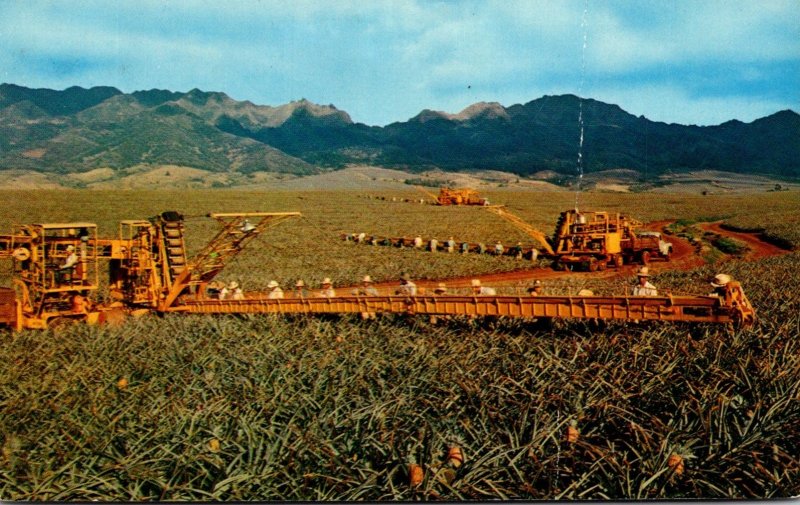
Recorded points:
240,408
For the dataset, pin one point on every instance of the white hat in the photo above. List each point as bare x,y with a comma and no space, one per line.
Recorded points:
366,278
720,280
326,280
643,272
476,283
585,292
440,288
272,284
70,248
233,285
537,283
299,283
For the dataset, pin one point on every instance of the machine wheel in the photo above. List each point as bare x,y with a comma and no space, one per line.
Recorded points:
645,257
601,265
592,265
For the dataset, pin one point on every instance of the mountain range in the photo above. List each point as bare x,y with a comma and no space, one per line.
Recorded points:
77,130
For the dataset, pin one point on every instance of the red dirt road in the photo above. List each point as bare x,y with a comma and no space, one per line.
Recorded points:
757,247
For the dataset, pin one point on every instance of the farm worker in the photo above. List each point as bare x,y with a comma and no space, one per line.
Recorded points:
477,289
418,242
439,290
434,244
451,245
327,290
644,288
72,258
464,247
536,289
361,237
498,248
275,290
518,250
235,291
223,293
720,285
213,289
481,248
407,287
68,265
366,289
300,289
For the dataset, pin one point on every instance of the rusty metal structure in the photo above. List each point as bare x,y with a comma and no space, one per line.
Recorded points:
55,274
462,196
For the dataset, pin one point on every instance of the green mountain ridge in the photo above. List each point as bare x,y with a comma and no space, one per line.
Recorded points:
77,130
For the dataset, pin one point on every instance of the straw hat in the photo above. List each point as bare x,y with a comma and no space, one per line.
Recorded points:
299,283
440,288
476,283
272,284
537,283
326,280
233,285
367,278
643,272
720,280
585,292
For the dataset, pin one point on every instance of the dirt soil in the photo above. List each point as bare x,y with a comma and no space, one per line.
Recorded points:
757,248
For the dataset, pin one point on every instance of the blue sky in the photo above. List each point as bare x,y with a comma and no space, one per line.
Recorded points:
681,61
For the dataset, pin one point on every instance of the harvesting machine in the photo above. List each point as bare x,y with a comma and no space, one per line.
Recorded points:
55,275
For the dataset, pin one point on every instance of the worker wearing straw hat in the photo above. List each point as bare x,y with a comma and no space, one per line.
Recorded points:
536,289
366,288
477,289
300,289
275,290
720,284
407,287
327,290
644,288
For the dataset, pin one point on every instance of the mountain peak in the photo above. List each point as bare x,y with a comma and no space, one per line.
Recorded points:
485,110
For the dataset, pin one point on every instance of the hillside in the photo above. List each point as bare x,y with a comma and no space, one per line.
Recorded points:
79,130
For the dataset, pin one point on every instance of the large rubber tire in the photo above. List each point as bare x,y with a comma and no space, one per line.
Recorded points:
645,257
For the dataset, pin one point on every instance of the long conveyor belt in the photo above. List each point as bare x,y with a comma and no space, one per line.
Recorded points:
731,309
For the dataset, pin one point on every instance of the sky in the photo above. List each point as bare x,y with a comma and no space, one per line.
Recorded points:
677,61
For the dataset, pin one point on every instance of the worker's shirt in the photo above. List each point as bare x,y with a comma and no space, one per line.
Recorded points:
366,291
646,290
487,291
275,293
327,293
71,260
409,289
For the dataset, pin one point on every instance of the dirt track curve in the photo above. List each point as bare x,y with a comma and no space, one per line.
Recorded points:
684,257
757,248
